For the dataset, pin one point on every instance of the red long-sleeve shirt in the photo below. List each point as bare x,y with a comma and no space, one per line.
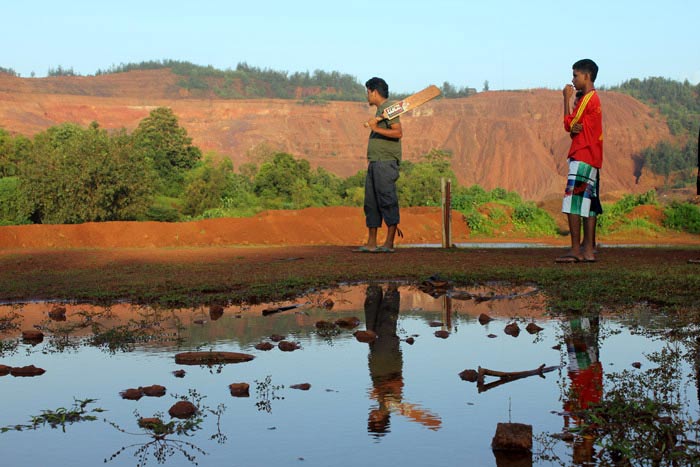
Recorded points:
587,146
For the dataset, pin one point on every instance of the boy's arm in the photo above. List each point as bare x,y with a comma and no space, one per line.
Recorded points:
568,93
394,131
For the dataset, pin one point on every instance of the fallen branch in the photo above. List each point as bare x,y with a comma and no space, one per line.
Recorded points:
508,376
269,311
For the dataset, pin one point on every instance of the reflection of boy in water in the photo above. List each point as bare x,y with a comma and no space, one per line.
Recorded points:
386,363
586,374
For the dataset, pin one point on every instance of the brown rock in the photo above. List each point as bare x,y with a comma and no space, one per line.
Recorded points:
410,340
58,313
239,389
365,336
5,370
182,410
512,329
324,325
557,347
484,318
276,338
179,373
302,386
436,324
288,346
512,437
32,335
637,364
152,423
216,312
348,323
153,391
469,375
132,394
28,371
532,328
264,346
442,334
491,336
328,304
211,358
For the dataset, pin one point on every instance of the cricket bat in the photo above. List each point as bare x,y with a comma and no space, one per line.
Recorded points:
409,103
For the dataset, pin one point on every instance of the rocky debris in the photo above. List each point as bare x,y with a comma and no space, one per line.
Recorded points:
132,394
512,329
150,423
348,323
410,340
216,312
512,437
484,318
365,336
302,386
557,347
288,346
325,325
264,346
328,304
442,334
179,373
239,389
26,371
532,328
155,390
469,375
276,338
211,358
436,324
58,313
434,286
33,336
637,365
491,336
5,370
182,410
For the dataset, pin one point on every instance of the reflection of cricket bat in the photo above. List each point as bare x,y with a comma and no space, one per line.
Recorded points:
409,103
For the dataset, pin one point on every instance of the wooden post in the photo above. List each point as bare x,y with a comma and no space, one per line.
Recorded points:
446,188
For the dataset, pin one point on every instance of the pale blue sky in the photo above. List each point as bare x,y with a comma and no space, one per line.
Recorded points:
512,44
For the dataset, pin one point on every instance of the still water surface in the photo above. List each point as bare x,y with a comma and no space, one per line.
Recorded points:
385,403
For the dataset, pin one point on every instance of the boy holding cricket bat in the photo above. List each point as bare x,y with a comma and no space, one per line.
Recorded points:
585,157
383,156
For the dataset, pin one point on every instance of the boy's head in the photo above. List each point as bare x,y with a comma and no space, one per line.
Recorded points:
586,66
379,85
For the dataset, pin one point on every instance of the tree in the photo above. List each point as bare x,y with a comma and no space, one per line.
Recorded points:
420,183
75,175
486,85
165,145
283,182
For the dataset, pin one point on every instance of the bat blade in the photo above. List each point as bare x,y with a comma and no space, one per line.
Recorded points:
411,102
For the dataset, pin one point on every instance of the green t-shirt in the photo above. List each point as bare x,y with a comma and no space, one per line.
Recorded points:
379,147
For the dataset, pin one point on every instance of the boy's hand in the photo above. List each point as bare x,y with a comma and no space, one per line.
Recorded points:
568,91
576,128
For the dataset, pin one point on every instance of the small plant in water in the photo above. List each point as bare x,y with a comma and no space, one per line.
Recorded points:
59,417
267,392
164,442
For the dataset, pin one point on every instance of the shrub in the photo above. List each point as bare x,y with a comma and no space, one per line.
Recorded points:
683,216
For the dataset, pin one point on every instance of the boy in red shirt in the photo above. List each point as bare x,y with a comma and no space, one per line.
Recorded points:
585,125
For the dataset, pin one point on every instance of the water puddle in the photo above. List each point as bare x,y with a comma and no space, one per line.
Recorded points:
428,385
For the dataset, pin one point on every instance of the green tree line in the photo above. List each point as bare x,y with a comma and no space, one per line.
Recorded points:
68,174
679,103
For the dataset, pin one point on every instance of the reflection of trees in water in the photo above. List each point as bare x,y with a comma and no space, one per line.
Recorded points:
386,363
165,438
267,392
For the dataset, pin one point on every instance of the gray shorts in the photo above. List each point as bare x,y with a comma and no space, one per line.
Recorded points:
381,200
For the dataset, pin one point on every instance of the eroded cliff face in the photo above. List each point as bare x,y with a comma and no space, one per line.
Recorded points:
509,139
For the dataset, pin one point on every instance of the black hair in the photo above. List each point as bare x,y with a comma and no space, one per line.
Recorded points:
587,66
379,85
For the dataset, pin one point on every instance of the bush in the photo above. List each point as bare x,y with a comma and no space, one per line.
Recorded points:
683,217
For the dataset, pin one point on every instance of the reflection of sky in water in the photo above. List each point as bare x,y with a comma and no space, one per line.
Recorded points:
435,418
